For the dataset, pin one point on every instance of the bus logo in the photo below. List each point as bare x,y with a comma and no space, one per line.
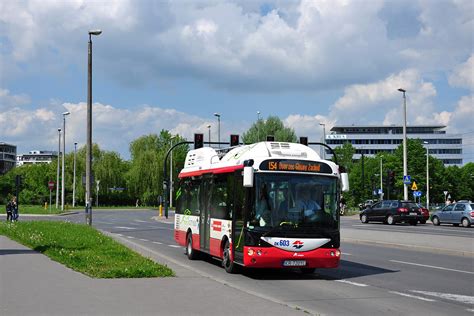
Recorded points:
298,244
217,226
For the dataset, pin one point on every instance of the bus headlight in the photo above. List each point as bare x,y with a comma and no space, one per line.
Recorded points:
250,252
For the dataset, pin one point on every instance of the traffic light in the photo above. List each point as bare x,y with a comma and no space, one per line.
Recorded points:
198,141
391,178
234,140
304,140
270,138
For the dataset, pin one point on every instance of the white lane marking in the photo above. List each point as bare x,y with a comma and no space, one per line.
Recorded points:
360,225
143,239
174,246
454,297
140,221
346,254
124,227
352,283
157,242
413,296
119,234
470,310
433,267
130,237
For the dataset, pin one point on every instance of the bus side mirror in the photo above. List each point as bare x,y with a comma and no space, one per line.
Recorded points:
248,177
345,182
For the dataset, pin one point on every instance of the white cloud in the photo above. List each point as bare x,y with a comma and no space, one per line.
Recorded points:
8,100
312,45
463,75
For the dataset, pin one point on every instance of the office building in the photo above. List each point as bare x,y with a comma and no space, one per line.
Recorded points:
7,157
35,157
372,139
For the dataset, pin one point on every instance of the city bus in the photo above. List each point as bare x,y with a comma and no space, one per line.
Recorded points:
264,205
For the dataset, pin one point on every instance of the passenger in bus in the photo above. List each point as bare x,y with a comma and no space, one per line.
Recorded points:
264,207
306,205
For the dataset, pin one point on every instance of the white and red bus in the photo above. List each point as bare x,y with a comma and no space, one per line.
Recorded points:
265,205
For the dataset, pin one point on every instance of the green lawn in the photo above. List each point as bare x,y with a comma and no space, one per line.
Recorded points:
83,249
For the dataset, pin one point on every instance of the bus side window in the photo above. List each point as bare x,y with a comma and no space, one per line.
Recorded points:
219,199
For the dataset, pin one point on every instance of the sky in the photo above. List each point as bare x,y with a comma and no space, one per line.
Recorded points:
173,64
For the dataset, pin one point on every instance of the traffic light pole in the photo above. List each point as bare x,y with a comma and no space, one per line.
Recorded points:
165,176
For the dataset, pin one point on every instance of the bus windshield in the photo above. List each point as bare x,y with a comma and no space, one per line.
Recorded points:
294,201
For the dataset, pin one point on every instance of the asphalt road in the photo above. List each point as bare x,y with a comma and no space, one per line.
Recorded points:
371,279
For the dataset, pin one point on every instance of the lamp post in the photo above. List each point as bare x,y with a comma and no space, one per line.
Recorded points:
97,182
57,176
427,177
171,173
64,154
209,132
74,178
258,126
405,168
89,129
381,183
218,127
324,140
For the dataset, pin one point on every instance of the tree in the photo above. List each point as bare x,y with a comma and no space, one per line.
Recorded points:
145,176
344,155
273,126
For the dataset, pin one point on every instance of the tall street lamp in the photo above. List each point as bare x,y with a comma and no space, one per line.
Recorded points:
381,183
89,130
209,131
218,127
171,172
427,177
57,176
405,168
64,154
258,126
324,140
74,177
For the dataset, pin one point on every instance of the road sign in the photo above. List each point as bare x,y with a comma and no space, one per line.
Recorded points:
418,193
51,185
445,192
380,191
406,179
414,187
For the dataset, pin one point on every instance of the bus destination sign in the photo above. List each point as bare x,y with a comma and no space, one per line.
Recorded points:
295,166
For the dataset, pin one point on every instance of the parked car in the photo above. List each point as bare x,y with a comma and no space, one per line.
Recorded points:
425,213
392,212
461,212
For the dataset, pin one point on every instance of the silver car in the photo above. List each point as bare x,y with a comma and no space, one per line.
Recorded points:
461,212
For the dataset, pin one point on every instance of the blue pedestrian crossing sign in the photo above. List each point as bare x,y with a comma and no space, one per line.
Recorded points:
406,179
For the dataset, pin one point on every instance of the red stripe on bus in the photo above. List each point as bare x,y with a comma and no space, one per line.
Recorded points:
272,257
215,247
215,171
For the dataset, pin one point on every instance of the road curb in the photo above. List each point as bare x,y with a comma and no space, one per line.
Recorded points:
405,246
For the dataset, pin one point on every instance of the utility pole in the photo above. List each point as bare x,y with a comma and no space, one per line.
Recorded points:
381,183
405,168
74,178
57,177
363,177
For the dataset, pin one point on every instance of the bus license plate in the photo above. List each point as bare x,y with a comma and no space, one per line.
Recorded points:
294,263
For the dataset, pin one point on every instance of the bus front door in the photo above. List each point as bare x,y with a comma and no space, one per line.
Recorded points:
205,216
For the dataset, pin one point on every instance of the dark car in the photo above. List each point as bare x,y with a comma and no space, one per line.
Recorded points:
392,212
461,212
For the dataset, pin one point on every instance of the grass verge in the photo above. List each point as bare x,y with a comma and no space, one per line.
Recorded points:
83,249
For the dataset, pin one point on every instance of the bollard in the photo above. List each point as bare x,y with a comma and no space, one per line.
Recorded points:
161,210
45,205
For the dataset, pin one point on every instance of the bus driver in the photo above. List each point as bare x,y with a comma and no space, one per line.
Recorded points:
308,206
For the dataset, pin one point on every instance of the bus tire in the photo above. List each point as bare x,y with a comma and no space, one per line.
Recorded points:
190,252
227,262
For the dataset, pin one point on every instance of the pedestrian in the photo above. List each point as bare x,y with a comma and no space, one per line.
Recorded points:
12,210
9,210
137,203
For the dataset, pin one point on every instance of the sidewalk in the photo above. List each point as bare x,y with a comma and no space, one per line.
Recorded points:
32,284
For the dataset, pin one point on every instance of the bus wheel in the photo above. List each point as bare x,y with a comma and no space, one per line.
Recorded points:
307,270
227,263
190,252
